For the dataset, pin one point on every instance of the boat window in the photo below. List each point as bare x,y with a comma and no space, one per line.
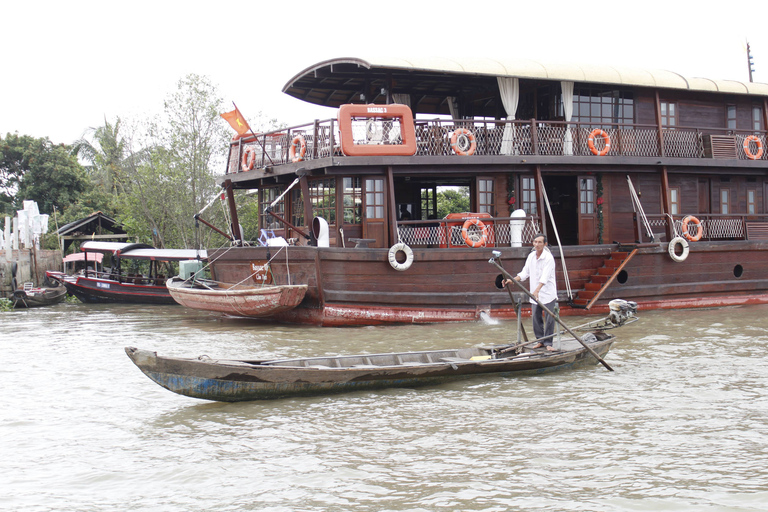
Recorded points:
428,202
587,195
353,201
674,200
730,117
297,208
266,196
485,195
757,119
374,199
668,114
528,189
725,202
751,201
599,106
322,196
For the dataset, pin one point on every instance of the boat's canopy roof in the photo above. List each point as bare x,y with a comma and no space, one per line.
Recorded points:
143,251
338,81
82,256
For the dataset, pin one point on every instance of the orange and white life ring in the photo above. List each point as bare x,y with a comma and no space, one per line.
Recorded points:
463,142
298,149
249,158
748,150
471,240
691,220
597,132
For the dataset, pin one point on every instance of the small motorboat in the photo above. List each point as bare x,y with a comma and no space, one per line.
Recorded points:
244,300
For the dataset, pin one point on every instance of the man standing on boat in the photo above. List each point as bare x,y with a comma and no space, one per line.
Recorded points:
540,268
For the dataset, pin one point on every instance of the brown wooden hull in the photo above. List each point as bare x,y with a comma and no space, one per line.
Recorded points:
242,380
359,287
248,301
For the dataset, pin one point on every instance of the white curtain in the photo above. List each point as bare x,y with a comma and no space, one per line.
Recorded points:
453,106
402,99
509,88
567,88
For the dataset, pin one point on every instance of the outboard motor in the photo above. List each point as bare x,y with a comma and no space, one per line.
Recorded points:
621,310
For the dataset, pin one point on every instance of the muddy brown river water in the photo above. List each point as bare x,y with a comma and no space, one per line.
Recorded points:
681,424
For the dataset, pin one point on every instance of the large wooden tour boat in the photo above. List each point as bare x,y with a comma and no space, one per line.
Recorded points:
648,184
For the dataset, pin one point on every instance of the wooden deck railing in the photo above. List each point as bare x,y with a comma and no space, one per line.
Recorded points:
513,138
715,226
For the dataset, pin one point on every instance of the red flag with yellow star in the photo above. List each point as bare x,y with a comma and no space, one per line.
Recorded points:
237,121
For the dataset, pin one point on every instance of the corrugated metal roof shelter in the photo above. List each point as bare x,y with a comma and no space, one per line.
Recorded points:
96,226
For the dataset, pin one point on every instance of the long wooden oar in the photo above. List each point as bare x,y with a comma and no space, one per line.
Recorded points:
545,308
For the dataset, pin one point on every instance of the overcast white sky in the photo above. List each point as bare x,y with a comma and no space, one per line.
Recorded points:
67,65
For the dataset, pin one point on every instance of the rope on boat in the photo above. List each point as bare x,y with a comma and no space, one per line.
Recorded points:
638,208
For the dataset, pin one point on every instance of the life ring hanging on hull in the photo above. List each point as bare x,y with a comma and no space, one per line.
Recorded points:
672,249
392,256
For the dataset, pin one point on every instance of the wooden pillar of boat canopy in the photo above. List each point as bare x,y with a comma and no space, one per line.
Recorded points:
540,206
238,236
765,114
392,209
659,126
665,202
308,214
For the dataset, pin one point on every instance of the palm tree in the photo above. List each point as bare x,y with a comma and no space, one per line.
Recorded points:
105,155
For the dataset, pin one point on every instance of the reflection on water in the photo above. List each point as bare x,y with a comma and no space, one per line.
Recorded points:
680,425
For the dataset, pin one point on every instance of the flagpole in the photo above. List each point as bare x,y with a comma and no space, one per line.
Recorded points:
263,149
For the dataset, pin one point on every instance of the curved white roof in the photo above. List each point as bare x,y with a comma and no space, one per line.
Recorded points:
526,68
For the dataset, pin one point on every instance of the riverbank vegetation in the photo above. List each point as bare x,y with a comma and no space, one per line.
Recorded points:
151,175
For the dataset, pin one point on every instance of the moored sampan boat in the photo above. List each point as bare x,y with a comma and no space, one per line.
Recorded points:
244,380
235,299
31,297
521,135
119,284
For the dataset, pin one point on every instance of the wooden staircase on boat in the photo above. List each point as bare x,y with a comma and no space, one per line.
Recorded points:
601,280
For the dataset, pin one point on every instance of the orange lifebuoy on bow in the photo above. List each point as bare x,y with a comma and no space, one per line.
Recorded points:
470,240
249,158
463,142
690,219
597,132
298,149
748,151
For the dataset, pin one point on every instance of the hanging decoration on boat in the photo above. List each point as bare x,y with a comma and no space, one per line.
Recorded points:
511,192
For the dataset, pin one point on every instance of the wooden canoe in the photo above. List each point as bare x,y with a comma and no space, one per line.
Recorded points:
237,300
244,380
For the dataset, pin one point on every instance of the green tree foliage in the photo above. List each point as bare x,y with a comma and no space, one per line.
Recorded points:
452,200
172,177
38,170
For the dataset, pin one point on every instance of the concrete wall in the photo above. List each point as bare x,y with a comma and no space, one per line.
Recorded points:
31,266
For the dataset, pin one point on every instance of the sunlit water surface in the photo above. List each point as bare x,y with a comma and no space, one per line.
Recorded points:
682,423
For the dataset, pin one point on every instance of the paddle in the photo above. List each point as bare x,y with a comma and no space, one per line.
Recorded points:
506,274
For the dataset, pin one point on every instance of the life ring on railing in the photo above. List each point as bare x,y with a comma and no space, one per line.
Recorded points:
690,219
597,132
468,239
249,158
400,247
748,151
298,149
463,142
672,249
